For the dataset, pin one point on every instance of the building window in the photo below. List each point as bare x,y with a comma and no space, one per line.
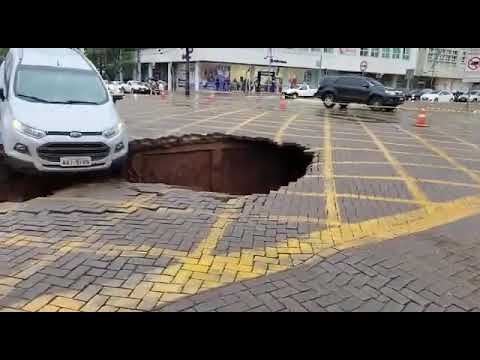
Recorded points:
386,53
328,50
396,53
363,51
444,56
464,55
374,52
406,53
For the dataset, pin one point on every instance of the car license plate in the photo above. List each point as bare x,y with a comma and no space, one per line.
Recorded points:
75,161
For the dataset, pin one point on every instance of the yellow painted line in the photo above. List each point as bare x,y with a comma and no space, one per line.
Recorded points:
248,121
381,198
368,177
475,146
450,183
314,150
430,166
405,145
173,115
444,155
355,149
362,162
197,122
360,197
305,136
467,159
286,124
305,129
411,184
414,154
303,193
411,222
350,139
331,206
216,232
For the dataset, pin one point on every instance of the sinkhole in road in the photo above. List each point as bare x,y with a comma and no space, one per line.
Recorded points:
214,163
217,163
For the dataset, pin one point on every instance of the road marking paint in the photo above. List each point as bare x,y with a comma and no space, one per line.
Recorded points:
203,120
381,198
410,182
331,206
280,133
444,155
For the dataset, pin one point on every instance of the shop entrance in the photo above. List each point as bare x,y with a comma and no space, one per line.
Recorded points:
266,81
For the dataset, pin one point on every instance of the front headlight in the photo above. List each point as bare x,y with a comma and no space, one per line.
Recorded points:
28,130
114,131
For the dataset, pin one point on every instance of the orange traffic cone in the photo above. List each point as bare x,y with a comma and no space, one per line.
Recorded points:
421,119
283,103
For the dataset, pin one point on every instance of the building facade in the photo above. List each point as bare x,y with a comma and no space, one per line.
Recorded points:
222,68
441,68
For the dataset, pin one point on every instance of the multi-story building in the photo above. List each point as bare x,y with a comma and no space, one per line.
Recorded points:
441,68
292,65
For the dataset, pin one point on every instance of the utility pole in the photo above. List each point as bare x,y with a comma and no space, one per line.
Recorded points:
434,63
139,66
320,67
188,52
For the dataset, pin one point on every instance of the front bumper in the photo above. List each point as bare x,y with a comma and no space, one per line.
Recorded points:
393,101
33,160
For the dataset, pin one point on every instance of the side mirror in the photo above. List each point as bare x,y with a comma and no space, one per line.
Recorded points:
2,95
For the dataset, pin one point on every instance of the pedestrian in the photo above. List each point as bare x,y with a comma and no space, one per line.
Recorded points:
235,84
217,84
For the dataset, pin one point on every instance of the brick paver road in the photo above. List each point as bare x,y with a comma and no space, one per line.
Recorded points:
386,219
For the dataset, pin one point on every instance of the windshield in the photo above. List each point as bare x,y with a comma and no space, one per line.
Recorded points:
434,92
374,82
59,85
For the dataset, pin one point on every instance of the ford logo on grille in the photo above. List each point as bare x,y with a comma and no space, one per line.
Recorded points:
75,134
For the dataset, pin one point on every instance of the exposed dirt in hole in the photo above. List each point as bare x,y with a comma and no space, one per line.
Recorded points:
217,163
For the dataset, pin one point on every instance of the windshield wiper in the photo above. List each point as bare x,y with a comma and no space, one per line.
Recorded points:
35,98
78,102
69,102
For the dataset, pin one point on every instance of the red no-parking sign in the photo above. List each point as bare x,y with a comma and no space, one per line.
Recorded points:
473,63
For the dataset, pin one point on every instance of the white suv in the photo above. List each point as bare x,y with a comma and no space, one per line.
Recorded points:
56,114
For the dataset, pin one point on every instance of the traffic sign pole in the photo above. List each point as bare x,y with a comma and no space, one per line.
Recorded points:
363,67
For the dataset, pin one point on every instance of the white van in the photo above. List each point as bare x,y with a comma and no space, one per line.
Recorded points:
56,114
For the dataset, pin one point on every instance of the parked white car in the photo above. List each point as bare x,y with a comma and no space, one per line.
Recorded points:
303,90
438,96
473,97
57,114
115,90
138,87
127,88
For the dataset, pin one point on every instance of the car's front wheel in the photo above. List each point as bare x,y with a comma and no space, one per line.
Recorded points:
343,106
329,100
375,103
294,95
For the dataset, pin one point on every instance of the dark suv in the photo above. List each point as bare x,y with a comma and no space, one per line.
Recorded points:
356,89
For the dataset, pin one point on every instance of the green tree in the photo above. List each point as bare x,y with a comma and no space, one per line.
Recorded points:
112,62
3,52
